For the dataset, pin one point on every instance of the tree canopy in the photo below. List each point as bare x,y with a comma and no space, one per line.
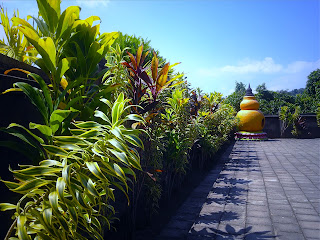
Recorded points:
271,101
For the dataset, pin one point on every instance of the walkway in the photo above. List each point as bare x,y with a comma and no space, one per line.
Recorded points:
259,190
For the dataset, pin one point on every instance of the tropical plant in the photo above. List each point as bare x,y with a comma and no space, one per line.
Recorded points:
137,74
159,78
67,196
52,117
69,50
290,118
143,78
16,45
133,43
213,101
195,103
60,41
177,102
116,73
177,141
311,86
213,124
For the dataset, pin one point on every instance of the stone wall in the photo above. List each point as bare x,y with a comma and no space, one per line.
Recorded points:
273,127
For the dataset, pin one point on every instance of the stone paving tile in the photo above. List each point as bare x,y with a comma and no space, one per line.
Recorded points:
311,233
259,190
289,236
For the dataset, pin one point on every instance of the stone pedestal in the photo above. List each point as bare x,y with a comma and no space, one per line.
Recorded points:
242,135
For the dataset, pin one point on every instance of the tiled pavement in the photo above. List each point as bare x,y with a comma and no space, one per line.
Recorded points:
259,190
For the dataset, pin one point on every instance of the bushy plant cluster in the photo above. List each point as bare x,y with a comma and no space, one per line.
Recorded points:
133,126
291,118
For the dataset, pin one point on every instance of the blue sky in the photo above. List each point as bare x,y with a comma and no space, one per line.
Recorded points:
217,42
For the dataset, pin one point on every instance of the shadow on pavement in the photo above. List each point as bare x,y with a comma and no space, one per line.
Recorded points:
229,233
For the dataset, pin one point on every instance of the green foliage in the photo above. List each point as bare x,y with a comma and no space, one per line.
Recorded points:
212,129
116,73
234,99
290,118
271,101
144,79
312,86
133,43
263,93
152,161
240,87
16,45
69,193
69,49
177,139
213,101
91,138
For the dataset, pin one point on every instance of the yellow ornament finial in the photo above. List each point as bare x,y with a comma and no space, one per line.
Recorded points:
251,119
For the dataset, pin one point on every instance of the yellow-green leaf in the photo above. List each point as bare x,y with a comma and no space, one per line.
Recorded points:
51,149
48,52
53,200
7,206
42,128
12,90
47,216
95,169
91,19
63,66
139,52
60,186
30,185
67,19
154,66
22,231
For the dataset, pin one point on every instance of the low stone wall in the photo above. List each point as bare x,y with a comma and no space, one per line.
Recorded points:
7,63
273,127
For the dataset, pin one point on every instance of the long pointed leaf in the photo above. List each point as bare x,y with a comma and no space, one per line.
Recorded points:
45,90
35,97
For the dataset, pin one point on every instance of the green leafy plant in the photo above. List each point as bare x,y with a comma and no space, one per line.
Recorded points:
69,50
213,101
290,119
16,45
52,117
137,74
159,78
177,141
116,70
67,196
59,42
143,78
196,101
213,125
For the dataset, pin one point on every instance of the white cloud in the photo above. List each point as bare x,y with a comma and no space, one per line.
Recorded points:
93,3
299,66
276,76
248,66
266,66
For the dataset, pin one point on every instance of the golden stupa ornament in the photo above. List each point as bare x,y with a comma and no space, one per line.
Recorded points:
251,119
